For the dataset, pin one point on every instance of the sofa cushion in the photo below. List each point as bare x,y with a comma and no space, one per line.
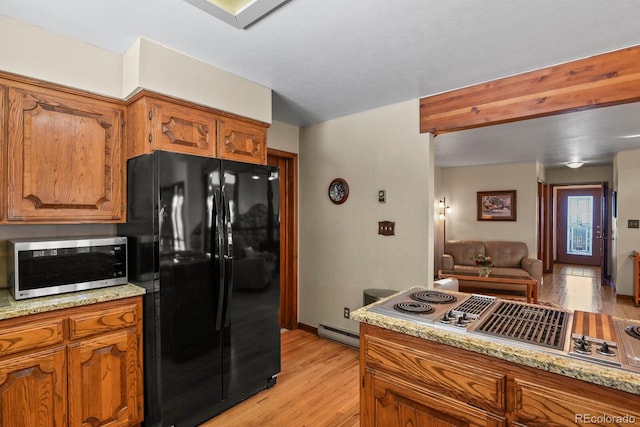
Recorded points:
463,251
506,254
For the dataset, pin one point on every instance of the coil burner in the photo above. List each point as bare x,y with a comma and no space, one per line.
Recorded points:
413,307
433,297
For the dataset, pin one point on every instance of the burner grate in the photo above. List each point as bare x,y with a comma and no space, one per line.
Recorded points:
475,305
531,324
433,297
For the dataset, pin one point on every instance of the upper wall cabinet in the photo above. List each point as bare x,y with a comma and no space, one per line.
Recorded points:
64,156
158,122
155,124
242,141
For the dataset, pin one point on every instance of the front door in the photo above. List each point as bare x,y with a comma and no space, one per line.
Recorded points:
580,229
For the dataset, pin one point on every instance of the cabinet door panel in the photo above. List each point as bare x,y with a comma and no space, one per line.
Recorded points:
538,405
403,404
29,336
105,380
66,157
109,319
33,390
242,141
183,130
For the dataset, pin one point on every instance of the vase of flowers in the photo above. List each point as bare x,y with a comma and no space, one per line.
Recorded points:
484,264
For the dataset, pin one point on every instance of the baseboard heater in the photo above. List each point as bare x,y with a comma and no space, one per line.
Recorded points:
339,335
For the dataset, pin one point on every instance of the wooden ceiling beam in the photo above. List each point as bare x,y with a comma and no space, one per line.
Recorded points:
598,81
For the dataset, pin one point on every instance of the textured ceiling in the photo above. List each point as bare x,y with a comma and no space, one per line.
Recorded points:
326,59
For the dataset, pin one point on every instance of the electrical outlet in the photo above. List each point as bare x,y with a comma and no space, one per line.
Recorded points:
633,223
347,312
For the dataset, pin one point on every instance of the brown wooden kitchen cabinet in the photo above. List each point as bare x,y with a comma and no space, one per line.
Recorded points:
72,367
3,152
159,124
412,381
64,156
242,141
405,385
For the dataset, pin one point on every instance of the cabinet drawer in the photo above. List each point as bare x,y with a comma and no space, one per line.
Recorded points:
536,404
476,386
18,338
86,324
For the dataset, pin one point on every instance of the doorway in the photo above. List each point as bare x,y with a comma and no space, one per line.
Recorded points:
288,164
581,225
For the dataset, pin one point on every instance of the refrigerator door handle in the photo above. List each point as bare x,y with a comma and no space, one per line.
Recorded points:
228,257
218,244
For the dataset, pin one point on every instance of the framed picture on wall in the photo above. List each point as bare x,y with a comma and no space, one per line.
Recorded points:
497,205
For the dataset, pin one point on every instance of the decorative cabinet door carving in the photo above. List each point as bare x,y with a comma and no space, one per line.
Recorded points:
183,130
103,378
242,141
155,124
65,157
33,389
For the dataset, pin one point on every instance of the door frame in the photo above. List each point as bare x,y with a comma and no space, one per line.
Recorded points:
549,211
288,164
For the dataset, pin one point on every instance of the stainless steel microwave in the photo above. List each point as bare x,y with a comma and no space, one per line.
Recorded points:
39,267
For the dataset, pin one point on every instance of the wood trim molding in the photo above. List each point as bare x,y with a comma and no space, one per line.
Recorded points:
598,81
288,163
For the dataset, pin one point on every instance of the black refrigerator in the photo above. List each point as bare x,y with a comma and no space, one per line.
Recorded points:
203,238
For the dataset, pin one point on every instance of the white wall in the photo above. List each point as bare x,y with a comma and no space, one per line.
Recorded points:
283,136
31,51
150,65
583,175
341,253
460,186
627,173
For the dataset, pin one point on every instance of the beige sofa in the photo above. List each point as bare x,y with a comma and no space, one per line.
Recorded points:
509,258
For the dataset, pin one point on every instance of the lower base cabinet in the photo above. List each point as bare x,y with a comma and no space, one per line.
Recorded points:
73,367
408,381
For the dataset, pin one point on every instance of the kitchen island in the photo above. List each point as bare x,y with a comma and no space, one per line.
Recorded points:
415,373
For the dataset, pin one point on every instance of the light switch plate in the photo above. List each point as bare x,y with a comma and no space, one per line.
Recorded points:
386,228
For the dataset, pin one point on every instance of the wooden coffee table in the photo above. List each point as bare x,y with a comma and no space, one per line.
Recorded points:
528,282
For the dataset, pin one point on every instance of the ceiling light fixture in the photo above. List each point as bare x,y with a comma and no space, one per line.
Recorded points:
239,13
574,165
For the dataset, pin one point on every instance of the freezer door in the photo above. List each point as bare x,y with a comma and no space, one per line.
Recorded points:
190,287
251,239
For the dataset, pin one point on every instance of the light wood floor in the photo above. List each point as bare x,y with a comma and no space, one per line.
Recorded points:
577,287
318,386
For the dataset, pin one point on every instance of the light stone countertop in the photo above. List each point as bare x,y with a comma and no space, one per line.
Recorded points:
539,359
10,308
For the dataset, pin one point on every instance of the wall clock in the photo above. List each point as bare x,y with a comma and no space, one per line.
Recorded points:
338,191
